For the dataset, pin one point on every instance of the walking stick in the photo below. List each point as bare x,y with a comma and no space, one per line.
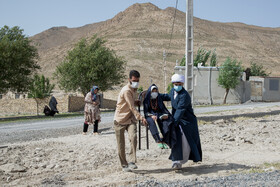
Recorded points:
141,98
139,126
160,134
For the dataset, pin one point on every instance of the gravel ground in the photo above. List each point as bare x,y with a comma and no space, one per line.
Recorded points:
270,179
232,150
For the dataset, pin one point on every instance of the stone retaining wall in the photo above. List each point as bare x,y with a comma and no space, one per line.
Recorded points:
76,103
28,106
109,104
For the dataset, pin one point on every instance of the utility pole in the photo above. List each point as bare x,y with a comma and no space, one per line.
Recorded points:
164,70
189,78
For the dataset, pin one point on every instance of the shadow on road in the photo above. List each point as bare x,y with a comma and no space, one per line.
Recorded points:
197,169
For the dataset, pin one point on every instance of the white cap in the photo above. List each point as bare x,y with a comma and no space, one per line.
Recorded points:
153,88
178,78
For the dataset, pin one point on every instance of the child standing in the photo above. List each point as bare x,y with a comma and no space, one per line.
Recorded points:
92,111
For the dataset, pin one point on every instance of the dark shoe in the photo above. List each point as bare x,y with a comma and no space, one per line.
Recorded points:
132,165
126,169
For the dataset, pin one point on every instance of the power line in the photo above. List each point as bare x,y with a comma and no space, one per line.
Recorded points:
174,17
164,54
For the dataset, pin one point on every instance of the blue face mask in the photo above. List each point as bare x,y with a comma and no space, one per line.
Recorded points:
178,88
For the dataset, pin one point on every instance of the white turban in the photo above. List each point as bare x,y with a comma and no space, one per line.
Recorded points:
178,78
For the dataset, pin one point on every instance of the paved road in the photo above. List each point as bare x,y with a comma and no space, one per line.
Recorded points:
36,129
42,128
52,123
107,118
201,110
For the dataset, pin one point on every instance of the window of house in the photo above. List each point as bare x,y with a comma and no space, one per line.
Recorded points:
273,84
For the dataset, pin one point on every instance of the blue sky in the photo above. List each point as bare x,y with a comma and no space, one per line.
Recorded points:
35,16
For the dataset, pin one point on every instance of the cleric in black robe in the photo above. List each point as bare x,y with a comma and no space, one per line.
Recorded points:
154,109
188,145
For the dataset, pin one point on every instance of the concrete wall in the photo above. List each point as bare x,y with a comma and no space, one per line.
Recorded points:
206,87
257,88
271,89
265,88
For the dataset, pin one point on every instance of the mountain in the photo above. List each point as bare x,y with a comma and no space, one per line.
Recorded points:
142,32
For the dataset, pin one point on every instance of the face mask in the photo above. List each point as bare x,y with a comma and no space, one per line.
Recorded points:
154,95
134,84
178,88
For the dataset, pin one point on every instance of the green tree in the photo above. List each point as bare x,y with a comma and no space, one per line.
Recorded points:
18,60
169,87
257,70
202,56
183,61
90,63
213,59
40,88
229,75
140,89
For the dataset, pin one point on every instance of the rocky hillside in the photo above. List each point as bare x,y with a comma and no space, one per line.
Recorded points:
142,32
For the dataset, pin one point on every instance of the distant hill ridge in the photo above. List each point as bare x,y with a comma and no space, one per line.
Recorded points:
142,31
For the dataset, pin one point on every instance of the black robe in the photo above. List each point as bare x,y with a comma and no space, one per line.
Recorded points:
169,137
53,104
183,115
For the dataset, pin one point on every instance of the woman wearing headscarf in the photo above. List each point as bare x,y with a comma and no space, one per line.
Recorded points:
187,145
92,111
158,117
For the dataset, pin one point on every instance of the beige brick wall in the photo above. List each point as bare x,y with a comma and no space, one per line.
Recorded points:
76,103
109,104
28,106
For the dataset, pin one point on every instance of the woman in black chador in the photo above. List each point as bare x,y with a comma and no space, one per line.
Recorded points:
158,118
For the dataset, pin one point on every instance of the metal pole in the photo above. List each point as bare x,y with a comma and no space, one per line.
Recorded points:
209,86
164,70
189,77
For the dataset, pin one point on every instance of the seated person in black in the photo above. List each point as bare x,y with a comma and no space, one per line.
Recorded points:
158,117
47,110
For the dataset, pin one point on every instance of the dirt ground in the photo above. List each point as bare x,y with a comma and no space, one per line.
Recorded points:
237,145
